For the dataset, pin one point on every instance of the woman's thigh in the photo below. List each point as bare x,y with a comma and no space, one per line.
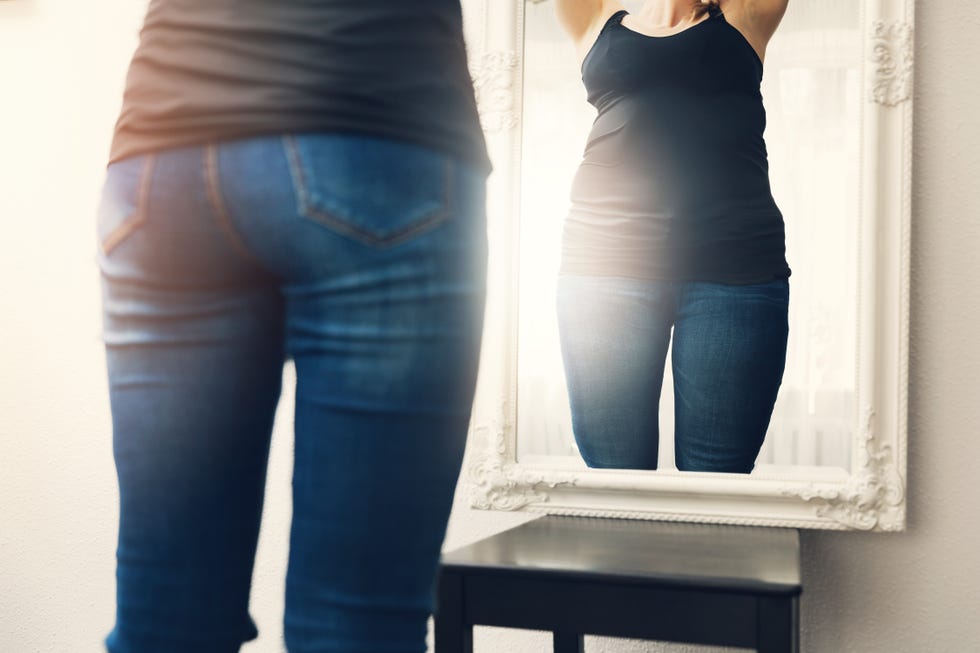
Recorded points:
729,353
614,335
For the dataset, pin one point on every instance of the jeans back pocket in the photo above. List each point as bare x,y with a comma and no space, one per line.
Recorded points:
122,206
377,191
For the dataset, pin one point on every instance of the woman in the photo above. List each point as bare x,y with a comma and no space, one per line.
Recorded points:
673,228
297,180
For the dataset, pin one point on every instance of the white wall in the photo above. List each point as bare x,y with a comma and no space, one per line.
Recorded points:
61,63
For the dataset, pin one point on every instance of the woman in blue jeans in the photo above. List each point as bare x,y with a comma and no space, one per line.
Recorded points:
673,233
290,181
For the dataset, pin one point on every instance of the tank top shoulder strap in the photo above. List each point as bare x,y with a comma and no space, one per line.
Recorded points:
615,19
714,10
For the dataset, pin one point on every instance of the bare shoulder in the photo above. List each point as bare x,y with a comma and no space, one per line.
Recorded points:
757,20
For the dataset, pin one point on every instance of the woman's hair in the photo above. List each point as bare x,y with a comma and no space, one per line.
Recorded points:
701,7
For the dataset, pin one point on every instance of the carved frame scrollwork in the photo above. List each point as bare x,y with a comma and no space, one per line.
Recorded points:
892,53
493,83
871,495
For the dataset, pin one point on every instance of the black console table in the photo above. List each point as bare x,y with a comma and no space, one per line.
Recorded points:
703,584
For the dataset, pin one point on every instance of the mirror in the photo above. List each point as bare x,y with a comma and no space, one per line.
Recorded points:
836,89
811,89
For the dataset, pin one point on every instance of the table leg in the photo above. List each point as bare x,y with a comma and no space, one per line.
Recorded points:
778,625
565,642
452,633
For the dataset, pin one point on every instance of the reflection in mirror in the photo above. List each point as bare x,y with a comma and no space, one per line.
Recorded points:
811,89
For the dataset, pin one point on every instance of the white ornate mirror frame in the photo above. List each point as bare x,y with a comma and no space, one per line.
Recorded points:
871,495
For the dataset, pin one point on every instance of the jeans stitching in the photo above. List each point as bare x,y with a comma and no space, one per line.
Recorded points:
139,214
307,208
218,208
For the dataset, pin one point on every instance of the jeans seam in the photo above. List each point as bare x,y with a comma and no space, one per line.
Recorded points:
139,215
219,210
306,207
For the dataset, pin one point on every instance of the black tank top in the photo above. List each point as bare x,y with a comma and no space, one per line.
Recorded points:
674,181
211,70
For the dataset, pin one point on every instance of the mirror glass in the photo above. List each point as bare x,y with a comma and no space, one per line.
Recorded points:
812,91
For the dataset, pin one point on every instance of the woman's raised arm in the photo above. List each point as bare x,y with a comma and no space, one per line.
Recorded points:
758,18
579,17
582,19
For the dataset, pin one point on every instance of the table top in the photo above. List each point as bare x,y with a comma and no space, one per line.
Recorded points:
738,558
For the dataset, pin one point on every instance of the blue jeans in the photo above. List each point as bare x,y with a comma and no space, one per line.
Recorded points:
363,260
729,352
